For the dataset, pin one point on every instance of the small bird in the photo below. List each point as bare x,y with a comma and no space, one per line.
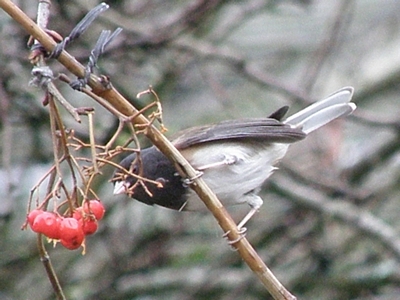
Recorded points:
234,157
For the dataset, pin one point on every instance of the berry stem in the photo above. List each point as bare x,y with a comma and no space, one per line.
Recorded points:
45,259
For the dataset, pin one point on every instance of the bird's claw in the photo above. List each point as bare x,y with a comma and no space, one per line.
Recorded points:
189,181
242,233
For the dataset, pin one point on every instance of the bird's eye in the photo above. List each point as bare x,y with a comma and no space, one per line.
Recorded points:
132,169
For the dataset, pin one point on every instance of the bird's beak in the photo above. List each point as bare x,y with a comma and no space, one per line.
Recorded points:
120,187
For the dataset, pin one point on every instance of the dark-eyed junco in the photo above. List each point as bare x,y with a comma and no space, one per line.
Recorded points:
235,157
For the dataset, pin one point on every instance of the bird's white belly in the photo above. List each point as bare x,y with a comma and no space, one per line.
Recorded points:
253,164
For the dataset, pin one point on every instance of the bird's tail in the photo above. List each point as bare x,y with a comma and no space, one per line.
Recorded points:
324,111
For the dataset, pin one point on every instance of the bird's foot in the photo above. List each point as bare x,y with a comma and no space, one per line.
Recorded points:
242,233
189,181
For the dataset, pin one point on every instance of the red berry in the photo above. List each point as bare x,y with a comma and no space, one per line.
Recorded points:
47,223
72,244
94,207
69,228
78,213
71,233
32,216
89,226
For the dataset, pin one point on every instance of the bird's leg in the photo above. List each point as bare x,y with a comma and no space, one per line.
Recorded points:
255,203
249,215
228,160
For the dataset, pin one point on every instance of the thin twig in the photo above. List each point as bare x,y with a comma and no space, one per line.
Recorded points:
328,45
92,144
341,210
44,256
60,98
54,138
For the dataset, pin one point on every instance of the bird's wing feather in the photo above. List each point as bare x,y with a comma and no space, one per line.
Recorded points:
262,129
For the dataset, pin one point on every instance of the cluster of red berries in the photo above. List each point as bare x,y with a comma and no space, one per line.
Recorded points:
71,231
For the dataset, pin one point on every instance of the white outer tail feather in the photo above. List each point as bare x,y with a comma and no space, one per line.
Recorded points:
324,111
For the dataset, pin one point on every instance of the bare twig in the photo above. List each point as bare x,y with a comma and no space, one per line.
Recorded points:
252,71
42,77
341,210
92,143
44,256
328,45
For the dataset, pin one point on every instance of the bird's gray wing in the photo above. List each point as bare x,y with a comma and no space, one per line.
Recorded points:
268,130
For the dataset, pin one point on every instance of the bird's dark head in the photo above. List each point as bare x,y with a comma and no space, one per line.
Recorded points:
151,178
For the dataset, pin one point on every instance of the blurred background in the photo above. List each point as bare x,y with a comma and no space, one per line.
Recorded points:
329,227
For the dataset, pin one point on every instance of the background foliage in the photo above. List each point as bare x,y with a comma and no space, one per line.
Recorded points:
329,227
